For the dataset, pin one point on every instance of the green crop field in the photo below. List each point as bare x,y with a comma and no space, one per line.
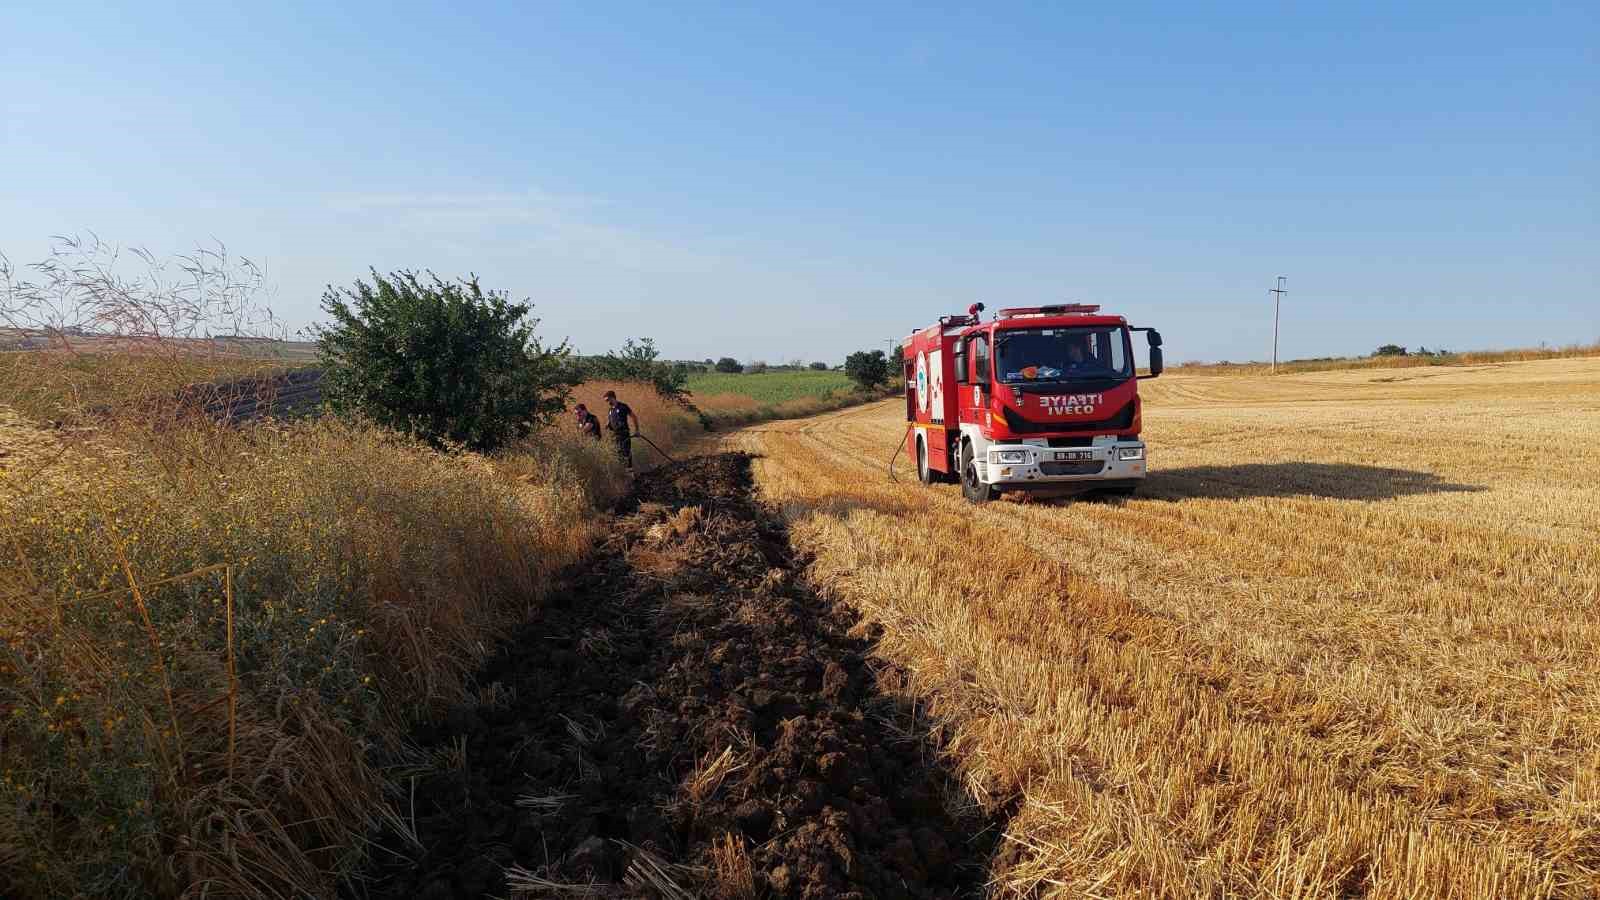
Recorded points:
768,388
742,399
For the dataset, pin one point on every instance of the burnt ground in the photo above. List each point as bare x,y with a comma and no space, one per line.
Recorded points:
688,717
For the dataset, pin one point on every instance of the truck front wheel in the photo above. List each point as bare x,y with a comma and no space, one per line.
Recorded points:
925,472
971,487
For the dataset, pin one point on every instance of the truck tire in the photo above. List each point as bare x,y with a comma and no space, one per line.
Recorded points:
971,487
925,473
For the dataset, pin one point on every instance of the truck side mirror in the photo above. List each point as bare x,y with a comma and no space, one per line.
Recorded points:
1156,364
1154,337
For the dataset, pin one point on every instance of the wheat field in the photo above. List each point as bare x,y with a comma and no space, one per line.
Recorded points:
1343,643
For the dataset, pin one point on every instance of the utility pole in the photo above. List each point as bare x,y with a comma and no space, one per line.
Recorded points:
1277,301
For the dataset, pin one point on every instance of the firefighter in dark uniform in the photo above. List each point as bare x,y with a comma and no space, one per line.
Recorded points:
617,423
587,422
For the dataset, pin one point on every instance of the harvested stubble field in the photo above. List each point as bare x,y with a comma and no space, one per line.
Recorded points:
1407,361
1344,642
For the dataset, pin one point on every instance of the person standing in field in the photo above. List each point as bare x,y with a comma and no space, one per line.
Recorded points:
617,423
587,422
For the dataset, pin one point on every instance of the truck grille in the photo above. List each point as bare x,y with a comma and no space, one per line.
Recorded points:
1120,420
1092,467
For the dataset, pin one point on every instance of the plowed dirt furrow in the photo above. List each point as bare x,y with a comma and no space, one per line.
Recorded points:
690,716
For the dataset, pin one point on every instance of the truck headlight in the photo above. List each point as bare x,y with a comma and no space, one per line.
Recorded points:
1130,453
1012,456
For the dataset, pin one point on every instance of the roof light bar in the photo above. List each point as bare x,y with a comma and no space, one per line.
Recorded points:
1063,309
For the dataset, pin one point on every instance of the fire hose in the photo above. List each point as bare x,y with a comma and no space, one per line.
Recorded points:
897,450
641,437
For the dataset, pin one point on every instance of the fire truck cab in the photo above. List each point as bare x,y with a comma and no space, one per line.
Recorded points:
1042,399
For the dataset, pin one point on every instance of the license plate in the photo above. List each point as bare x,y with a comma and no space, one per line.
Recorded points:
1074,455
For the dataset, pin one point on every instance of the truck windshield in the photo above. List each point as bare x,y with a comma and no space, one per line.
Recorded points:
1061,354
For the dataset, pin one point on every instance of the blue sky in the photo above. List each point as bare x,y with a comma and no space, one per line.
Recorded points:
799,180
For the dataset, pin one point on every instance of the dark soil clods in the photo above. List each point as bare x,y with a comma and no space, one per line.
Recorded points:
687,715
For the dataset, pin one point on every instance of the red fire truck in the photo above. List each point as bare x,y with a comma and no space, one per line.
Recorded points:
1042,399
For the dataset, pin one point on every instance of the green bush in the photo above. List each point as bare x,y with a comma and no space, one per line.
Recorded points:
637,361
728,365
819,367
867,368
445,361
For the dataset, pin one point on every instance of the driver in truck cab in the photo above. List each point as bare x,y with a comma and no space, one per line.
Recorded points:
1076,357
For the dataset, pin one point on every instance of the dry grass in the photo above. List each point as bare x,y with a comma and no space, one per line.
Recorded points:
112,324
1343,644
703,782
733,873
62,384
716,405
212,635
661,420
651,876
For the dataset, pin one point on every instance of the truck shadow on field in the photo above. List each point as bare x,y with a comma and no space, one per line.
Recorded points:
1330,481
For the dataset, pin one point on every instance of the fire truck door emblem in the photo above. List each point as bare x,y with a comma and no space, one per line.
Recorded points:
936,388
922,382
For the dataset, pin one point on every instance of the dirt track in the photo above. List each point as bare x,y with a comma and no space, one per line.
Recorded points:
689,716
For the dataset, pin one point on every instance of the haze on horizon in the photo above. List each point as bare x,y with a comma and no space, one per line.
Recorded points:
800,183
